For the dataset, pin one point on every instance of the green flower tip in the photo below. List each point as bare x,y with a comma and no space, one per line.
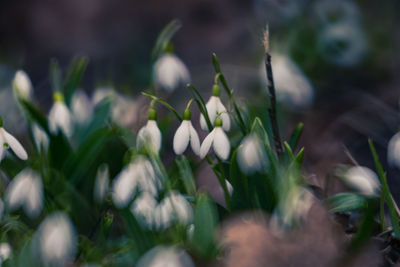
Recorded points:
1,121
152,114
187,115
216,90
58,97
218,122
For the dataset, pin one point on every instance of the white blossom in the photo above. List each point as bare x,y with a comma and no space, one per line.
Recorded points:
215,108
25,190
60,117
101,183
40,137
150,136
393,151
363,180
164,256
9,141
5,252
220,142
22,86
170,72
81,107
184,135
56,240
143,208
251,156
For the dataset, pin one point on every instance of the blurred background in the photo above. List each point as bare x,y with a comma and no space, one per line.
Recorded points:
336,63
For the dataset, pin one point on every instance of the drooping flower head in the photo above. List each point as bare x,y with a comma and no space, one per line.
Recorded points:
149,135
82,107
22,86
165,256
218,140
251,156
362,179
393,151
60,118
186,134
215,109
9,141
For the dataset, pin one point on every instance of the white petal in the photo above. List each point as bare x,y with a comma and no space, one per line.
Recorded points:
124,186
143,209
81,106
221,144
163,256
170,72
393,151
18,189
15,145
34,199
5,251
203,123
207,142
147,179
226,121
149,135
181,138
22,85
40,137
211,107
251,156
363,179
60,119
180,207
194,140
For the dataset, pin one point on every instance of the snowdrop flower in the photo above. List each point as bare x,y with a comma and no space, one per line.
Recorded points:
101,183
218,139
56,240
60,117
81,107
170,72
215,108
185,134
22,86
149,135
173,208
40,137
25,190
164,256
251,156
293,88
393,151
143,209
363,180
7,140
5,252
139,174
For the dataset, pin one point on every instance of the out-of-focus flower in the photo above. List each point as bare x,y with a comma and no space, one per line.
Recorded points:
166,257
170,72
393,151
185,134
362,179
56,240
25,190
173,208
101,183
251,156
60,117
342,43
218,139
149,135
81,107
330,12
7,140
5,252
293,88
215,109
40,137
22,86
139,174
143,208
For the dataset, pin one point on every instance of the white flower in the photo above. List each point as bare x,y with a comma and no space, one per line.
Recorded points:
149,135
22,86
5,252
25,190
7,140
56,240
218,139
163,256
101,183
173,208
215,108
393,151
139,174
143,208
60,117
363,180
251,156
185,134
170,72
40,137
81,107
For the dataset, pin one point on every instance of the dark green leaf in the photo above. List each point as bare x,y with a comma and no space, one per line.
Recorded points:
165,103
201,104
296,134
165,37
346,201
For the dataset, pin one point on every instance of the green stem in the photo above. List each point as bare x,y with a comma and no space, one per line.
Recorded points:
221,181
382,212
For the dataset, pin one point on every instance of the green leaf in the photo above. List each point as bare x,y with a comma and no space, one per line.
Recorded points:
164,38
201,104
74,76
205,222
165,103
288,152
258,128
295,137
346,201
55,75
35,115
186,175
